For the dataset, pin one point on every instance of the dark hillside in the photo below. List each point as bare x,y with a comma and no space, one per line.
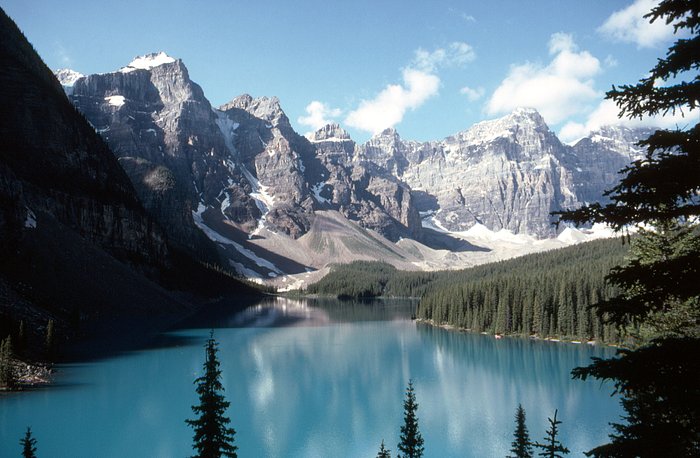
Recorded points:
76,245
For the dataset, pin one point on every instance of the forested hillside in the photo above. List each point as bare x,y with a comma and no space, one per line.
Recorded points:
545,294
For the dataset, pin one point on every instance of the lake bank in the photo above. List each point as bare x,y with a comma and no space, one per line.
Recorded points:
450,327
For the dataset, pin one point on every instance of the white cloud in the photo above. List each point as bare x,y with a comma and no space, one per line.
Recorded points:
456,54
561,42
607,114
420,83
389,106
473,94
318,115
560,89
468,17
628,25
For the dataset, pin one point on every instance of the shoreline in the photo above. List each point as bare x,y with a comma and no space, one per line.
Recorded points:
116,335
29,376
449,327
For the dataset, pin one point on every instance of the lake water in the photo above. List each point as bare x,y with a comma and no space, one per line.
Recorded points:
316,379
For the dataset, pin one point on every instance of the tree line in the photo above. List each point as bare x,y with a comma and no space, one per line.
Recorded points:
16,345
547,294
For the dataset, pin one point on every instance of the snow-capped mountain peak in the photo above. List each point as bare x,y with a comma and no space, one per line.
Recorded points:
506,127
148,62
67,77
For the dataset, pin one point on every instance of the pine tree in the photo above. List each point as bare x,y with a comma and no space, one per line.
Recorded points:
657,378
7,374
28,444
411,444
552,447
383,451
212,439
50,340
522,447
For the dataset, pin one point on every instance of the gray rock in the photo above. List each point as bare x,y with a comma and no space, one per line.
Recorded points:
156,115
509,173
245,163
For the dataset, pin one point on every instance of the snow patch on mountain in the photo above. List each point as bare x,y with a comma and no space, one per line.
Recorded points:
330,139
67,77
262,198
487,131
316,190
116,100
197,216
227,127
148,62
479,231
431,222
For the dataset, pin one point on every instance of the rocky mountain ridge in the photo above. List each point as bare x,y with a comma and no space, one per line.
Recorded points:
242,175
509,173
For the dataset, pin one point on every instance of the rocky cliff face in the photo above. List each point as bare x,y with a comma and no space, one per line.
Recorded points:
509,173
272,156
74,238
241,170
595,161
165,134
296,176
362,189
53,162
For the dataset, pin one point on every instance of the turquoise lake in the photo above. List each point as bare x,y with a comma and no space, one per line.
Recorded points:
317,379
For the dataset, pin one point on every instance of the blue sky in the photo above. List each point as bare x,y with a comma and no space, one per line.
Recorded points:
429,69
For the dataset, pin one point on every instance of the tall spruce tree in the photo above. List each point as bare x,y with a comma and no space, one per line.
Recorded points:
7,372
658,377
411,444
212,438
522,447
552,447
383,451
28,444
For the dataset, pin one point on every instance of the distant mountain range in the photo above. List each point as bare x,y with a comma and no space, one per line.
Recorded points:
276,203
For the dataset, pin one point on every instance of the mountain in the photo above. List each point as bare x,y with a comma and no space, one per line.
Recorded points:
241,175
76,243
503,174
509,173
231,172
165,134
361,189
596,160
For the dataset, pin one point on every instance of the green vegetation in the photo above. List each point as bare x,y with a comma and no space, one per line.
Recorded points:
212,439
552,447
28,444
546,294
521,445
659,293
383,451
364,279
411,440
7,374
